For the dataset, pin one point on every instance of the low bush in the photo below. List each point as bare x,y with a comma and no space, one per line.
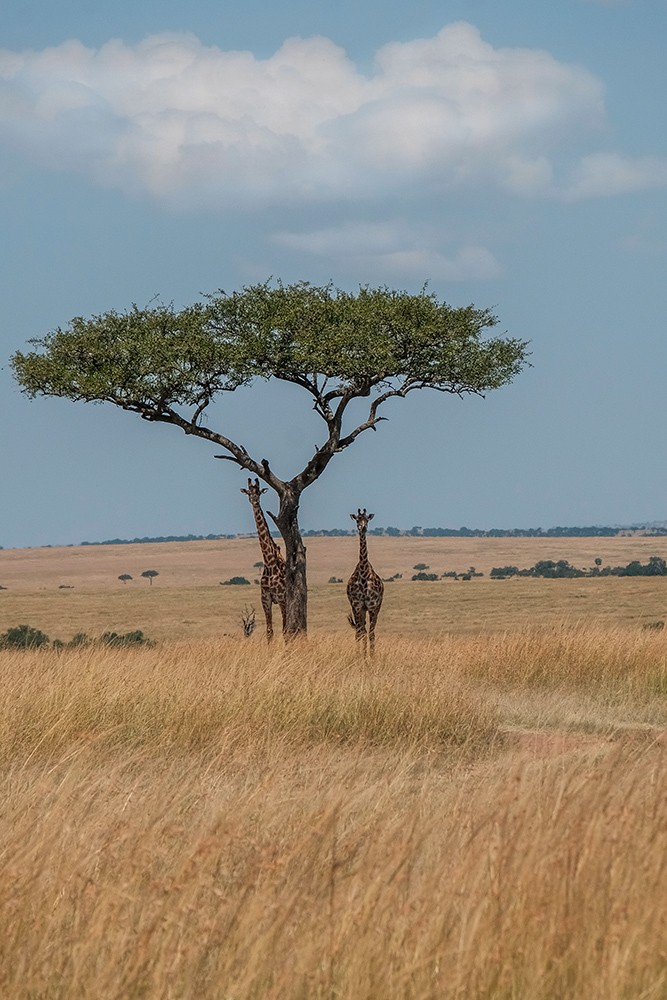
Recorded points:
27,637
23,637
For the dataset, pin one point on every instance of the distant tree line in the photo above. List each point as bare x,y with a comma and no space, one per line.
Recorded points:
562,569
589,531
160,538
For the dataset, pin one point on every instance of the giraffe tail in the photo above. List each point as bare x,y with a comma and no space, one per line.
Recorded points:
351,620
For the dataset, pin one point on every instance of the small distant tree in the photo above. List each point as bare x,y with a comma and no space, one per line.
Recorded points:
420,566
124,577
149,574
258,565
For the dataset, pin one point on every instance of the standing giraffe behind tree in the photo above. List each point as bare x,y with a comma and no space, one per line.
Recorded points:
365,589
272,583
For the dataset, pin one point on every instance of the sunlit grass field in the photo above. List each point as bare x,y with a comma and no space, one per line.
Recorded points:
480,811
68,590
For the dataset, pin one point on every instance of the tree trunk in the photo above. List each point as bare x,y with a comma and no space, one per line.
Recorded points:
296,604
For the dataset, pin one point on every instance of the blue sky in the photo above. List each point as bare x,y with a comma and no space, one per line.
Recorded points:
513,155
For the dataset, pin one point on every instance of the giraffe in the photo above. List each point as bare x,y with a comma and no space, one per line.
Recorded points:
365,589
272,583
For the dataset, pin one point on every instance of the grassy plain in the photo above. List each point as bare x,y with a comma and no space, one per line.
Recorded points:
478,812
67,590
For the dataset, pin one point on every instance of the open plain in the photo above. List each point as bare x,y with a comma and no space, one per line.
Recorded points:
478,812
72,589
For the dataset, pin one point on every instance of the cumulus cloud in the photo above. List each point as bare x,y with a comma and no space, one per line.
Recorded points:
604,174
390,248
196,125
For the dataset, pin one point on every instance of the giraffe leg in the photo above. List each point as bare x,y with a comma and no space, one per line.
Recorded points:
268,614
372,619
359,617
283,611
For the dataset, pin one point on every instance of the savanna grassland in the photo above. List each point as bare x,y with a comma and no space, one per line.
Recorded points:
478,812
73,589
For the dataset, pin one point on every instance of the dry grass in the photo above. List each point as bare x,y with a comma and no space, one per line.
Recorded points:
204,564
215,820
413,609
68,590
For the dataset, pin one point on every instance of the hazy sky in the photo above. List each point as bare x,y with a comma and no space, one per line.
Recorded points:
511,154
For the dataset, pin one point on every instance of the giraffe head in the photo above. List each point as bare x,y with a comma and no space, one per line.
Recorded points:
362,519
253,490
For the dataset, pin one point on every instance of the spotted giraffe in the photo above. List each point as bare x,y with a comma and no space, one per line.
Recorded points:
272,583
365,589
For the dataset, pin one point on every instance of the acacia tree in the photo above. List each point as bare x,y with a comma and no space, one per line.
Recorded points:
168,366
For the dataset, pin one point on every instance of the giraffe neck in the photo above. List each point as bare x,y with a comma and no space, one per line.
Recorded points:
266,543
363,550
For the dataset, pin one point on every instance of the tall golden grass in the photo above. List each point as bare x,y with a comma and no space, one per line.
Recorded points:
219,820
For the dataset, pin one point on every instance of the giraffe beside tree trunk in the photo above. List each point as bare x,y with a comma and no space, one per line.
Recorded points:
365,589
272,583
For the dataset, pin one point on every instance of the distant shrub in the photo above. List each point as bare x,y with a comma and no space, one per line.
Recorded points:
335,579
27,637
124,577
420,566
235,581
136,638
502,572
80,639
23,637
425,576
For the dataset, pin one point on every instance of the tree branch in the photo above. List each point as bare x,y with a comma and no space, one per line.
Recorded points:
237,453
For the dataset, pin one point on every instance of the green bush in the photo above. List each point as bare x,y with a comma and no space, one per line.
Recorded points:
80,639
136,638
23,637
26,637
235,581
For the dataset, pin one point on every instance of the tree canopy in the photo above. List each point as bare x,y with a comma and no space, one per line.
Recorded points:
168,364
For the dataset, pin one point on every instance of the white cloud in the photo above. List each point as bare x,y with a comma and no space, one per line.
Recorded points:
193,124
388,248
605,174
